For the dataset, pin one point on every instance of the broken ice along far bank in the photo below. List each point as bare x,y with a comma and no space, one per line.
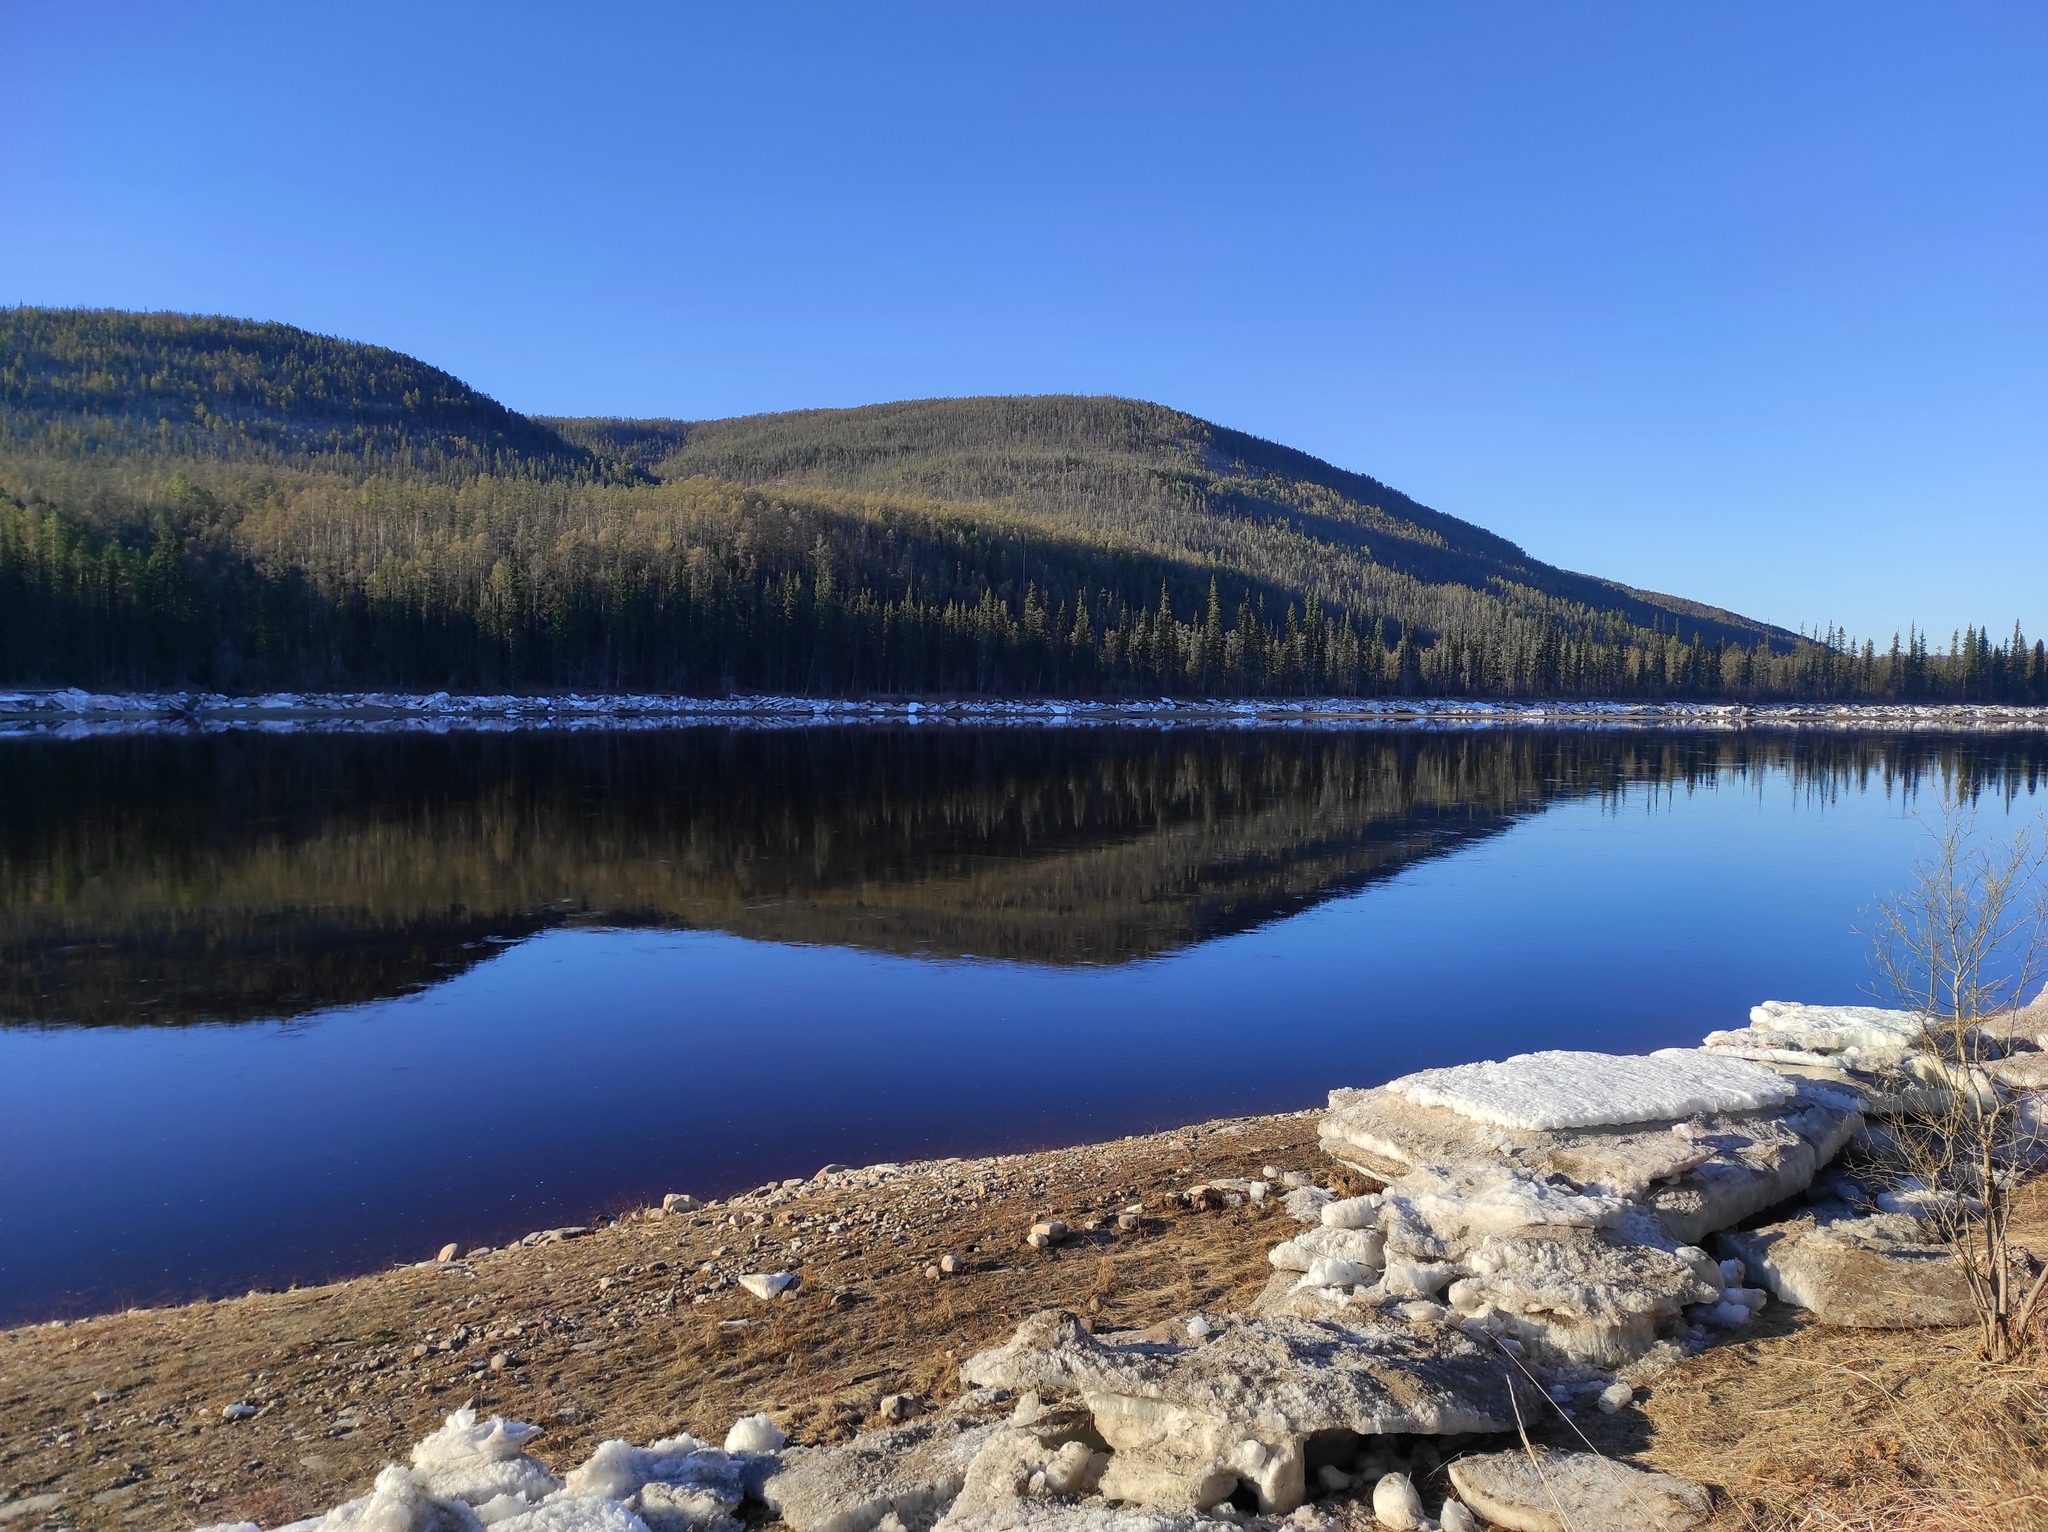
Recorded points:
1537,1240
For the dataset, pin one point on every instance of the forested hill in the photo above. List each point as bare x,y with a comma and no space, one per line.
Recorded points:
1143,474
229,504
100,382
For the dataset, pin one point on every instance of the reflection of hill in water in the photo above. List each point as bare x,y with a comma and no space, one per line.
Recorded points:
170,880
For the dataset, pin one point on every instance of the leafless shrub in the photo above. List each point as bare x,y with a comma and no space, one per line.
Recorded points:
1960,946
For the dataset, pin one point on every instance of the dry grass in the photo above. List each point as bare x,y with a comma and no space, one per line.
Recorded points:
1799,1428
1804,1428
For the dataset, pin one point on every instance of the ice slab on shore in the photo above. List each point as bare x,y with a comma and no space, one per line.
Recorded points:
1459,1179
1187,1421
1849,1036
1561,1088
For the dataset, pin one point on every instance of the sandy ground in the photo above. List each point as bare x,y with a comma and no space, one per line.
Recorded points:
636,1331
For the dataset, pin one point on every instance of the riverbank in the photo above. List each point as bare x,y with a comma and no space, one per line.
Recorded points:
639,1330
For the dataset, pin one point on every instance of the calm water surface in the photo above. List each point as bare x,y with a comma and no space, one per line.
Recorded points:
283,1008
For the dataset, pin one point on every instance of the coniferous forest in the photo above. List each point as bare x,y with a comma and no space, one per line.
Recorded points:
202,502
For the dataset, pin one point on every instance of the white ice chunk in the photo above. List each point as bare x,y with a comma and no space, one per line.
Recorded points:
1352,1212
1858,1036
1564,1089
574,1513
477,1461
399,1502
755,1433
1364,1247
1433,1206
1329,1271
619,1470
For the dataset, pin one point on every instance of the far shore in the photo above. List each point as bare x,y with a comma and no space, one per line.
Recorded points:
73,712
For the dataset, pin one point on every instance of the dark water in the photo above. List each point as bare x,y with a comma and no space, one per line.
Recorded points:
285,1008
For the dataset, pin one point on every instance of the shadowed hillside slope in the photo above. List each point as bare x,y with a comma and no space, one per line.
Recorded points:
1128,471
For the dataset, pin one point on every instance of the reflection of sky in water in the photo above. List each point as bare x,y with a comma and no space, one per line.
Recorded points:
589,1067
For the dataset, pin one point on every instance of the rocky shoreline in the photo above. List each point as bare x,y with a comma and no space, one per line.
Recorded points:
1482,1265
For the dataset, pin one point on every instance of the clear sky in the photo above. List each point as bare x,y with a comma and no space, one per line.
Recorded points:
1745,302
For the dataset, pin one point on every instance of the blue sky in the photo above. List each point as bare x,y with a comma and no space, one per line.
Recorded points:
1743,302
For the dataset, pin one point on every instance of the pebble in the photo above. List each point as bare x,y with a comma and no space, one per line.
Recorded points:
680,1202
767,1285
951,1264
501,1361
1049,1231
449,1252
897,1408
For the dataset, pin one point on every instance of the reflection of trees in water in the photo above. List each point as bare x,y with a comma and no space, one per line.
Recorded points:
168,880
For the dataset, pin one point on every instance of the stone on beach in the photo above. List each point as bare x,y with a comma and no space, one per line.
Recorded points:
894,1409
1576,1492
768,1285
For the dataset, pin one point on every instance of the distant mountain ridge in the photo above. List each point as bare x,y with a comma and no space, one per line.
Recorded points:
240,505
